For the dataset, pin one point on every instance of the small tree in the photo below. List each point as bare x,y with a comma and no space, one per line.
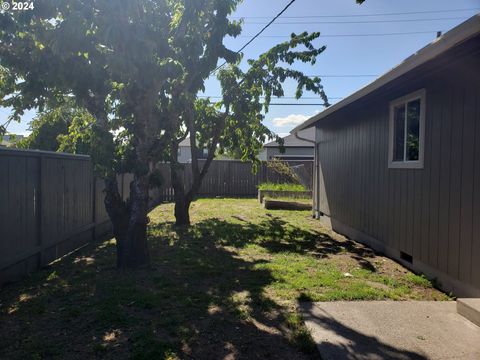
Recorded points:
235,124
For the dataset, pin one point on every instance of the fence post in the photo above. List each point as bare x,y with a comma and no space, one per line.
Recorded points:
94,204
229,180
263,169
40,210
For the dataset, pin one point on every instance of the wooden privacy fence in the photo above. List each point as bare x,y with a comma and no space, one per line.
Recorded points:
232,178
51,203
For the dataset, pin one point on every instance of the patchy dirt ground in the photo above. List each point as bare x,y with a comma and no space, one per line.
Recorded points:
226,288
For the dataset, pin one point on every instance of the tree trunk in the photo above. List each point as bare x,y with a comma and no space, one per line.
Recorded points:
184,198
182,215
182,202
129,222
136,245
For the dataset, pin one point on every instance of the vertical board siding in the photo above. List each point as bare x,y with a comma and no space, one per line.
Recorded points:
410,214
431,213
444,195
457,117
466,186
475,246
431,210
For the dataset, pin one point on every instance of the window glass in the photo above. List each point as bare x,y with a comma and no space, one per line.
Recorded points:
406,127
413,130
399,133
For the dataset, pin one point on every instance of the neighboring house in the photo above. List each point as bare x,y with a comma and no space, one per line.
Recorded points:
398,162
185,152
295,148
9,139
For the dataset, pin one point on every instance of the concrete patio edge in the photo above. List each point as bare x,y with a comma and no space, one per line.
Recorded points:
391,330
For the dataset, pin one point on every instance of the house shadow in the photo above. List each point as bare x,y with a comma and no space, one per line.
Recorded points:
347,343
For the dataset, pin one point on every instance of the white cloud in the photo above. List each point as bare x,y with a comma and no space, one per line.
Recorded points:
291,119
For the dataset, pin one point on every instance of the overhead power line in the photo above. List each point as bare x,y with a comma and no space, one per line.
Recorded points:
354,35
360,15
355,22
257,34
294,104
342,76
283,97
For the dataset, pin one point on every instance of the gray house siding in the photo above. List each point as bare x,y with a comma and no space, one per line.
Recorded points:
431,214
185,154
303,152
294,147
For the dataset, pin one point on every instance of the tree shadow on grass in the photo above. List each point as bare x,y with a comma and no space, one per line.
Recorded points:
199,300
277,236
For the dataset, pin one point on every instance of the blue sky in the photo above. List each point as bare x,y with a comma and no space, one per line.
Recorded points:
345,54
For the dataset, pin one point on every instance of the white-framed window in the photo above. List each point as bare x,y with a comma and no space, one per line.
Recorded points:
407,131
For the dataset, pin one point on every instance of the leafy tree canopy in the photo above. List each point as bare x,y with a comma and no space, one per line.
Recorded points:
136,67
64,128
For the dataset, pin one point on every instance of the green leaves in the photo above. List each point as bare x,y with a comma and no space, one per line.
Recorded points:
135,68
248,93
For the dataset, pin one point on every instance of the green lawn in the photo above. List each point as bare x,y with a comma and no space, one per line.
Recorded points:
227,286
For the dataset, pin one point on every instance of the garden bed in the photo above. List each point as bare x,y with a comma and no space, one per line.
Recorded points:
276,194
284,190
286,204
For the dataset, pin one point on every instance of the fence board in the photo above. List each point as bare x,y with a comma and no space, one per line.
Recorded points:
231,178
51,203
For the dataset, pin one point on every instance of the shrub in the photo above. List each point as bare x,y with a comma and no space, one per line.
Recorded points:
282,187
282,168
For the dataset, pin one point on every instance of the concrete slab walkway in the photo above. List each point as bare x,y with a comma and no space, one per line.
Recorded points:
391,330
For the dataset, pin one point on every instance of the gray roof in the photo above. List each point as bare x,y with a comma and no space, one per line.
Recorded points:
455,36
292,141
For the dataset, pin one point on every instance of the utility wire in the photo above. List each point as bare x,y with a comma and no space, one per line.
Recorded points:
342,76
296,104
283,97
358,15
356,22
258,34
293,104
354,35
